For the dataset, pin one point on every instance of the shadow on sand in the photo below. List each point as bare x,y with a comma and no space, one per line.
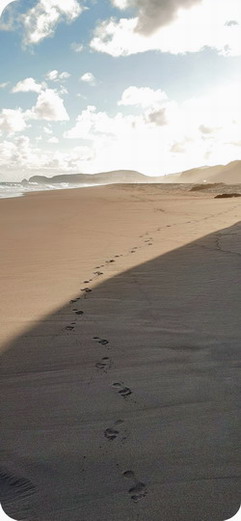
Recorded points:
125,404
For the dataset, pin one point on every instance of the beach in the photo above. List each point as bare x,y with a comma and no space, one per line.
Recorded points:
120,340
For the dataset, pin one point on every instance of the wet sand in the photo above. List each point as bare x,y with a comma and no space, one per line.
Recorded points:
121,355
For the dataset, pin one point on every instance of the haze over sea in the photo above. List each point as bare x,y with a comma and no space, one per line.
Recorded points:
9,190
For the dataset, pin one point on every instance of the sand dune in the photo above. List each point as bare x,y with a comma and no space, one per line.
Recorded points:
229,174
121,355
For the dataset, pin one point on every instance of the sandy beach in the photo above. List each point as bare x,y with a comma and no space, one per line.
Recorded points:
120,339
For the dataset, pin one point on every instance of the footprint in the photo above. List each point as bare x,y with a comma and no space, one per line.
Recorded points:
75,300
111,433
122,390
69,328
84,290
101,341
139,490
98,273
78,312
104,364
129,474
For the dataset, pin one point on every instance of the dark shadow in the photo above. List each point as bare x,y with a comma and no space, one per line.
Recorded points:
131,410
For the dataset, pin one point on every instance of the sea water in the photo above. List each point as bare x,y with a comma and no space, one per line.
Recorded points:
11,189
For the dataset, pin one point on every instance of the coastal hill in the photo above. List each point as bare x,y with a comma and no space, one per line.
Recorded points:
228,174
116,176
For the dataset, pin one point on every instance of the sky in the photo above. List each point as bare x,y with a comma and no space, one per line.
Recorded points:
98,85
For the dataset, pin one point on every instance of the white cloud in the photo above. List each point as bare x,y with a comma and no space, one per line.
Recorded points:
53,140
57,76
7,149
28,85
155,103
121,4
205,24
89,78
77,47
49,107
70,161
19,153
143,96
162,136
153,14
41,20
48,131
7,17
12,121
4,4
149,132
91,123
3,85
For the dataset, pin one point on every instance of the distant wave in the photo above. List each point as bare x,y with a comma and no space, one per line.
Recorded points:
9,190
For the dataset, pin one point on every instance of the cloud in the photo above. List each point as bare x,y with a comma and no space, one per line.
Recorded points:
12,121
77,47
231,23
159,135
28,85
153,14
89,78
143,96
178,148
4,4
47,130
91,123
57,76
155,101
49,107
21,153
168,27
7,18
158,117
206,130
121,4
41,20
53,140
148,132
3,85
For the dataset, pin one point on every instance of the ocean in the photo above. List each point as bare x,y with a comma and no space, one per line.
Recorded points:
14,189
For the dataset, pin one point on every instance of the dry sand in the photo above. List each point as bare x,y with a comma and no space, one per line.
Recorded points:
125,404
